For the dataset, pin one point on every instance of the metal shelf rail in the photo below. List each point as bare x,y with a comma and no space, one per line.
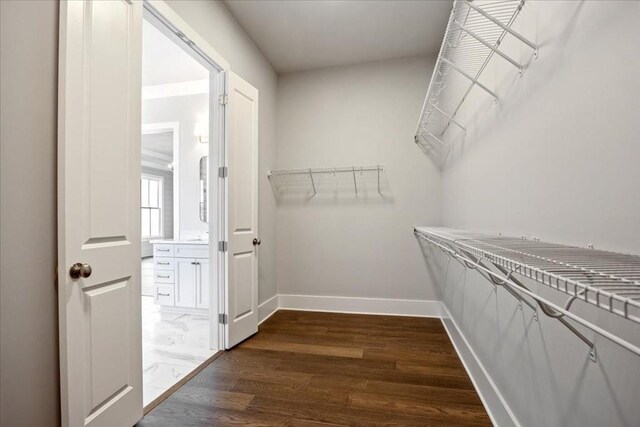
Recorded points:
607,280
312,176
473,36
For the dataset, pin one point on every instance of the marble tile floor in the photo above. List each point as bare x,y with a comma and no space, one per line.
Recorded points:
173,345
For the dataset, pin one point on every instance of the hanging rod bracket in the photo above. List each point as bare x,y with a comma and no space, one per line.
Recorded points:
313,184
355,184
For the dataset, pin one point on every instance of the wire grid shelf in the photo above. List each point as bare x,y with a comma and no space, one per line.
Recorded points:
608,280
474,33
351,178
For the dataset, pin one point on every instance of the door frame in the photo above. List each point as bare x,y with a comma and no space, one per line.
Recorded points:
174,27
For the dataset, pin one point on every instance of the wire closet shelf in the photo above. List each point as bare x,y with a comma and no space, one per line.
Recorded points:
314,177
472,38
607,280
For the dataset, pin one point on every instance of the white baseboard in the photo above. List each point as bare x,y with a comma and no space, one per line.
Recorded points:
495,404
267,308
381,306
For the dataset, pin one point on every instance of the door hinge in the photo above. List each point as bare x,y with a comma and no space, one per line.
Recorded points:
222,246
223,172
222,318
223,99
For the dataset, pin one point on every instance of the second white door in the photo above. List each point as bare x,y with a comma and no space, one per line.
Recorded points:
242,274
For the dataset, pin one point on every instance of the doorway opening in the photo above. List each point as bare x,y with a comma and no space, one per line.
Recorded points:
178,215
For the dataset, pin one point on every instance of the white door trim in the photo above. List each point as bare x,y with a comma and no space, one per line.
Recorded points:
174,27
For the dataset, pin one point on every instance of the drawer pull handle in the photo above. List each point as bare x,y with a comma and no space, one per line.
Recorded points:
163,295
162,277
163,263
163,250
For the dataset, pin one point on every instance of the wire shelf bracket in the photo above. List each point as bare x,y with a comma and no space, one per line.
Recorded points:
315,173
473,36
607,280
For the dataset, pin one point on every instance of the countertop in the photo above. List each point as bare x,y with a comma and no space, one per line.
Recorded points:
179,242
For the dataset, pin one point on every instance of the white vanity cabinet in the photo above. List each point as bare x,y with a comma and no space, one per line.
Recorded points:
181,274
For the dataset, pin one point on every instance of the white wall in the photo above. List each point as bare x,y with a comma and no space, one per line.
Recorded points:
29,387
187,110
338,244
213,21
557,158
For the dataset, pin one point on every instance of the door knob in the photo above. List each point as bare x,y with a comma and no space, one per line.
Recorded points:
79,269
256,242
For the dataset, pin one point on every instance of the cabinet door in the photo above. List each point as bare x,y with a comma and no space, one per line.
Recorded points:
203,283
186,277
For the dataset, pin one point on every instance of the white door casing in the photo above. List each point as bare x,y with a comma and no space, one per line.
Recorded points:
242,219
98,212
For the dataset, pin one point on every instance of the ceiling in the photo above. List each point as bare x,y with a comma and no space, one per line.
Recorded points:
164,62
302,35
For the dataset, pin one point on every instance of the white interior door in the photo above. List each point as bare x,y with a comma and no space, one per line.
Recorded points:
242,277
99,212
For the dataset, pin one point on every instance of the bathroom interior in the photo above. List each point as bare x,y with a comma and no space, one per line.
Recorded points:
174,218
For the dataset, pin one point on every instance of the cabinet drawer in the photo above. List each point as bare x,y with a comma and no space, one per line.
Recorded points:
163,276
165,295
162,250
192,251
163,264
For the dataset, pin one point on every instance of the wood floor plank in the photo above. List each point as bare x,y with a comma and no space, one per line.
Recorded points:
329,369
292,392
323,350
422,392
455,413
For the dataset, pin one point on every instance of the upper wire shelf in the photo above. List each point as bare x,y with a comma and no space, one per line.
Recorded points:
315,178
473,36
607,280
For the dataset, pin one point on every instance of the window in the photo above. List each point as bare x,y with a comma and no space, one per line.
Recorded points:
151,206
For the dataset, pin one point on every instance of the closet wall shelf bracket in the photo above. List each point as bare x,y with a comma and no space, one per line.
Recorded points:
607,280
475,33
318,176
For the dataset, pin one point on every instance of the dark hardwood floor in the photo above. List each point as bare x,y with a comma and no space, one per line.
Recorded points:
308,368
